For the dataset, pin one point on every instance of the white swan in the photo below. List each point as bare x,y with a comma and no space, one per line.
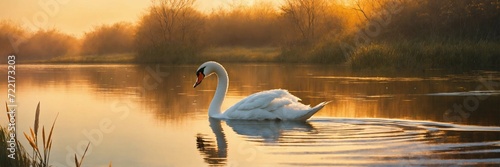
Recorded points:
277,104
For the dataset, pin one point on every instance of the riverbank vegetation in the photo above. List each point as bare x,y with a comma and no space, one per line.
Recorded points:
365,34
15,154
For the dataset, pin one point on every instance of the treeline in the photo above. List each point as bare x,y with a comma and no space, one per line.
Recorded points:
464,19
43,44
175,31
51,44
322,31
428,34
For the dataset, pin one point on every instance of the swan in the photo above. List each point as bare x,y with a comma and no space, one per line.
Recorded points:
276,104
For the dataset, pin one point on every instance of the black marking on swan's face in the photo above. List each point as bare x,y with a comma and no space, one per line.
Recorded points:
201,71
200,75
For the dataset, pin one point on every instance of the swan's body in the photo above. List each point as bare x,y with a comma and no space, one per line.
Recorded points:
277,104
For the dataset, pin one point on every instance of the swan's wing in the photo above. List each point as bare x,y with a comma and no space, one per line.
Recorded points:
267,100
272,104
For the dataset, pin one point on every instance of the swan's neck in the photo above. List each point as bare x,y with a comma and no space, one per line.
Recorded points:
220,93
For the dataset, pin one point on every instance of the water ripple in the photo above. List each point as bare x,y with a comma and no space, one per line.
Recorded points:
382,142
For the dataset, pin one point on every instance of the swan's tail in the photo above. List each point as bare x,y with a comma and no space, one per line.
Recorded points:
313,111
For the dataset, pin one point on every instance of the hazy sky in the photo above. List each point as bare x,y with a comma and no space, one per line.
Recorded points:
78,16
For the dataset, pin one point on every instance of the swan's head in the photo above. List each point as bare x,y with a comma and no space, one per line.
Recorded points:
200,75
205,70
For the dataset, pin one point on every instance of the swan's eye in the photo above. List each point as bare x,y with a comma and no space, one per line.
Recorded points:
200,72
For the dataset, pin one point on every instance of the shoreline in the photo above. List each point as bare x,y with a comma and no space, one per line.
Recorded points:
414,55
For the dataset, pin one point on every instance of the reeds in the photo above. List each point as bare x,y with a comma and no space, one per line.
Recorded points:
90,59
41,153
21,157
241,54
79,163
41,156
431,54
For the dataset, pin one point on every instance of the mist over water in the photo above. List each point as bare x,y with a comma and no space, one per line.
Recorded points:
399,119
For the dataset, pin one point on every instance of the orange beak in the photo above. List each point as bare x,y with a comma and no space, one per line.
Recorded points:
199,79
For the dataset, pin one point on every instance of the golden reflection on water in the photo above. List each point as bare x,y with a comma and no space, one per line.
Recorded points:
172,98
171,117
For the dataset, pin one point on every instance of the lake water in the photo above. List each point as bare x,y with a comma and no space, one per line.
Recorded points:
149,115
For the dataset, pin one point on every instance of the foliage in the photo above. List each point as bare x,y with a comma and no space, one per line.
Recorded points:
47,44
41,153
427,33
466,19
43,44
241,54
21,156
109,39
10,34
422,55
239,25
170,32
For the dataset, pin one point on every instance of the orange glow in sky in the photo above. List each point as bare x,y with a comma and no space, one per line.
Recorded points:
78,16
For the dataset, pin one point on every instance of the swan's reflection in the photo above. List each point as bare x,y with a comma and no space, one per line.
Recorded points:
263,131
267,131
213,154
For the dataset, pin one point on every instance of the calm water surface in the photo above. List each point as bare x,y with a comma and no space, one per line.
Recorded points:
134,116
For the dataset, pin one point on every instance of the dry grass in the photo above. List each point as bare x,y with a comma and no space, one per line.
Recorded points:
222,54
21,157
41,154
78,163
422,55
91,59
452,54
241,54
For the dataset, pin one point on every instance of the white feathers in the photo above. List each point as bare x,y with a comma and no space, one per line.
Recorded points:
271,104
270,100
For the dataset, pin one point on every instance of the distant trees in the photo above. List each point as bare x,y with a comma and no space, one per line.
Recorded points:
313,24
109,39
170,31
312,18
10,33
242,25
40,45
174,31
304,15
47,44
443,18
